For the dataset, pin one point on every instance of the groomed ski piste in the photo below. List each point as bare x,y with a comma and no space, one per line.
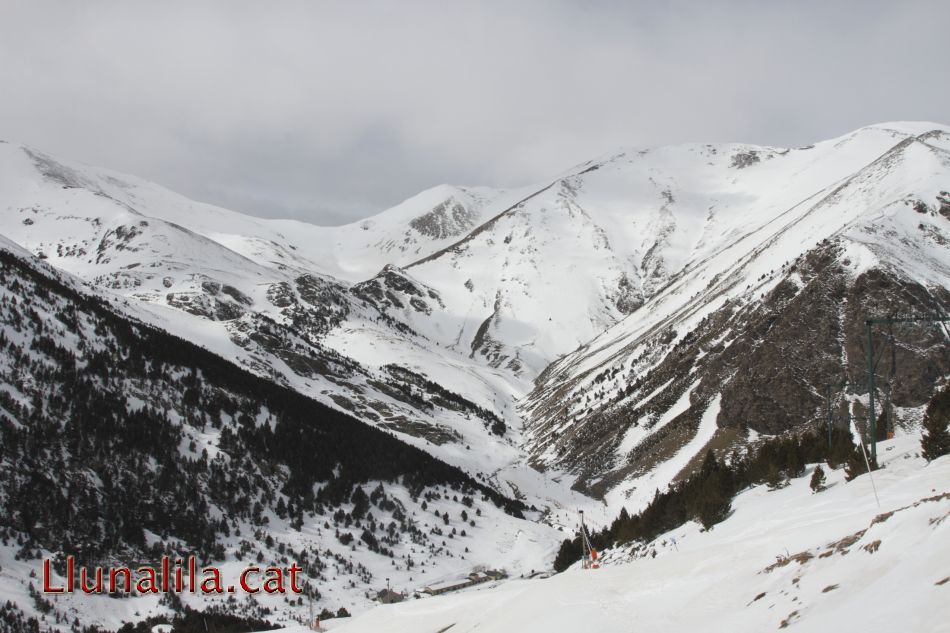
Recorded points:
786,558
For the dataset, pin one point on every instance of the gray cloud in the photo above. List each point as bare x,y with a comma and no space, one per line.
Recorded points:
332,111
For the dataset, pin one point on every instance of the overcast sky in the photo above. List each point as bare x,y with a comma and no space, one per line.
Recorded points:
333,111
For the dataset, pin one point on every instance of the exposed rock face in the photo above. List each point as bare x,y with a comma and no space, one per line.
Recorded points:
770,358
744,159
281,294
918,355
449,219
943,200
313,304
790,345
204,305
628,297
212,300
120,238
392,290
323,305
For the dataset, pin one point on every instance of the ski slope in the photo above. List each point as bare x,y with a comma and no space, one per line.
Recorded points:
831,561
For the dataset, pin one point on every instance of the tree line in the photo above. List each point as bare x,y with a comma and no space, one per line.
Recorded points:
706,495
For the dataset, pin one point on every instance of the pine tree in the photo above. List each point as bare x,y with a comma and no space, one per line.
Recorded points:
712,500
818,479
842,446
774,477
935,440
570,552
857,464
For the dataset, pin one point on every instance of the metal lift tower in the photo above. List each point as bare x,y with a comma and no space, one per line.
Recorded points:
872,362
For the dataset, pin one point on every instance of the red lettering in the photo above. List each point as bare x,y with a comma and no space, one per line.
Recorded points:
84,577
214,579
275,582
114,583
244,574
47,588
293,569
147,583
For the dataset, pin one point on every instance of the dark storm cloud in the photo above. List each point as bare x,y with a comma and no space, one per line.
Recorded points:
332,111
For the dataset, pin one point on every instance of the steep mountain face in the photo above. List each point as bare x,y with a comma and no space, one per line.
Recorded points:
747,336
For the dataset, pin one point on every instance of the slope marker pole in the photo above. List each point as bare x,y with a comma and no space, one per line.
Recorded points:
868,464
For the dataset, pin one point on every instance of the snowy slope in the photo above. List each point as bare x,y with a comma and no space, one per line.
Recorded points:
225,280
53,339
831,561
613,233
844,223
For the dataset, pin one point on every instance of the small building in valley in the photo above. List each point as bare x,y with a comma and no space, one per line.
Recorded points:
388,596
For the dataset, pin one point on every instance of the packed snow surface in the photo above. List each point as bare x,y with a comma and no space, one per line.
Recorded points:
831,561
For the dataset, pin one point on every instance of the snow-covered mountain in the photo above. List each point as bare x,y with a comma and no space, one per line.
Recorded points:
120,442
575,343
591,278
260,292
766,309
590,248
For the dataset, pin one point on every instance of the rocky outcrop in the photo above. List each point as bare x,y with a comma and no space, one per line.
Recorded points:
448,219
392,291
770,358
